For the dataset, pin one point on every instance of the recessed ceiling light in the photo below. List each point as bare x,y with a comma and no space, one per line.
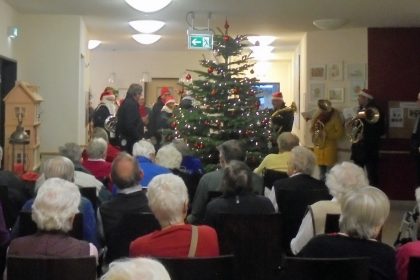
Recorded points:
148,6
146,39
262,40
93,44
147,26
329,23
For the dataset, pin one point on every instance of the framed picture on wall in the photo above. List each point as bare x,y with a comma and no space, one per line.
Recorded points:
317,91
354,88
317,72
335,71
356,71
336,95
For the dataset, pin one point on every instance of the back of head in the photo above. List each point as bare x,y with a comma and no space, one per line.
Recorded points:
287,141
345,177
136,269
144,148
302,160
125,172
97,148
363,212
168,199
232,150
99,132
168,156
182,147
71,151
237,177
55,205
59,167
134,90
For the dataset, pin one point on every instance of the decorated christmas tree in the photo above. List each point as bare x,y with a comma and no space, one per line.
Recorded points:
227,103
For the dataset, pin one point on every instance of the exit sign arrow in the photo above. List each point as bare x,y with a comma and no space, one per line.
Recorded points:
200,41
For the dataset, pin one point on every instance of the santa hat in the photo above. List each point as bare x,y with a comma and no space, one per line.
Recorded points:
169,99
277,96
107,94
164,90
365,92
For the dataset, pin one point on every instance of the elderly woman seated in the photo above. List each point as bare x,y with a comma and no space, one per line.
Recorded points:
341,179
95,163
364,212
53,211
168,200
238,196
135,269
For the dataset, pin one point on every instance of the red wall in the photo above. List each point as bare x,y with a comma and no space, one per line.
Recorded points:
394,74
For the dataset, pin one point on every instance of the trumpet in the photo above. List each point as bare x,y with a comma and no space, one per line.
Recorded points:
355,126
318,134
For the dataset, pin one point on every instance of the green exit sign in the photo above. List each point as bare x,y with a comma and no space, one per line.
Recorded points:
200,41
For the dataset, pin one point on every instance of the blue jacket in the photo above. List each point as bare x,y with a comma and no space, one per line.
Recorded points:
150,170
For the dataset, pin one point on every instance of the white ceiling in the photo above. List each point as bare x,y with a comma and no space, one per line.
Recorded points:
106,20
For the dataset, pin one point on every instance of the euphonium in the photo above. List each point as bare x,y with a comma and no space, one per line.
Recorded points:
110,124
318,134
354,127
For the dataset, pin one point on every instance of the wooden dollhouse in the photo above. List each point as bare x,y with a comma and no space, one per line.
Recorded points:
22,109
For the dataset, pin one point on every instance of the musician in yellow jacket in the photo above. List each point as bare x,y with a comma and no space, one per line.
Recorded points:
327,128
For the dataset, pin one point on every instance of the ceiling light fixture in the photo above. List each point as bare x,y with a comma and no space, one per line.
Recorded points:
148,6
146,39
93,44
262,52
329,23
261,40
147,26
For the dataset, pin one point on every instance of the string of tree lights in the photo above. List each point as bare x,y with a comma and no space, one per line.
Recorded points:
228,103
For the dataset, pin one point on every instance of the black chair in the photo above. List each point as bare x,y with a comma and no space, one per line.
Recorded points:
90,193
51,268
255,240
325,269
413,268
211,268
27,226
270,176
129,228
332,223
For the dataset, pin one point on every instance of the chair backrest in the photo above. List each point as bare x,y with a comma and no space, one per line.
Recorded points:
27,226
7,207
413,268
130,227
332,223
90,193
209,268
270,176
255,240
51,268
325,269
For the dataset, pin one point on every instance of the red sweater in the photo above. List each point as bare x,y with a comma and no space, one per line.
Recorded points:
101,169
175,242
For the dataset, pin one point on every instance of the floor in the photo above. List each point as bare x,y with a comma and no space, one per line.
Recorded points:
392,225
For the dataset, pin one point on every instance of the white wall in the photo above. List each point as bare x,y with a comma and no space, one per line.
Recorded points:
8,17
49,56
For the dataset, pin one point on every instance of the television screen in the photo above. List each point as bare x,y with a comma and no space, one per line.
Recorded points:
264,92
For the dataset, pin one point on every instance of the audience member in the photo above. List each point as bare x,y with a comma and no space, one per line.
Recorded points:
168,156
95,163
229,150
278,162
237,197
296,193
190,163
53,211
341,179
145,153
111,151
364,212
62,167
168,200
136,269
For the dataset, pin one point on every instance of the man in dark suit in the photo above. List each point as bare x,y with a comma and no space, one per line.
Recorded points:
130,199
415,142
296,193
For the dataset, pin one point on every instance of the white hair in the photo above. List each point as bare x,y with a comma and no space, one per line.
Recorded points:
363,212
344,177
302,160
143,148
168,156
97,148
167,196
55,205
136,269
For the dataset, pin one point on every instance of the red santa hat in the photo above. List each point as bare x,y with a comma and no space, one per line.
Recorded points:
365,92
169,99
106,94
277,96
164,90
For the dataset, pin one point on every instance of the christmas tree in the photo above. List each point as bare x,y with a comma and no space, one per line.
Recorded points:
228,104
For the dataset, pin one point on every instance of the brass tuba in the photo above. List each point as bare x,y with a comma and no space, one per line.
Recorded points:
318,134
110,124
354,127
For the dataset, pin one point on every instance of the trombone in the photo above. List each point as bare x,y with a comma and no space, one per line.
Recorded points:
354,127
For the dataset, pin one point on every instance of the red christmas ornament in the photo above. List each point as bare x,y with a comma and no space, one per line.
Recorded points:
213,92
210,70
173,124
226,24
188,77
226,38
